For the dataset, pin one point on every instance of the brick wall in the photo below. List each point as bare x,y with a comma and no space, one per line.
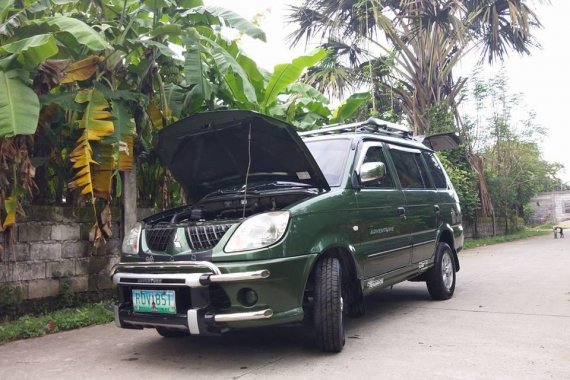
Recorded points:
51,242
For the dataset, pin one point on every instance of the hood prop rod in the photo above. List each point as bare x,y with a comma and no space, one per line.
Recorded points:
244,202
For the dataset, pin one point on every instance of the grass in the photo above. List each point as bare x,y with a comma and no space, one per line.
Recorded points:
525,233
60,320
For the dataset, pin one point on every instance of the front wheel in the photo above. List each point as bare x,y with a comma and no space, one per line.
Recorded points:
440,279
328,311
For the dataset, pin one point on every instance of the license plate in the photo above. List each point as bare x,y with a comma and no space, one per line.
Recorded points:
154,301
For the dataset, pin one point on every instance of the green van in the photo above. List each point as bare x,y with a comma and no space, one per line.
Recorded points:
286,228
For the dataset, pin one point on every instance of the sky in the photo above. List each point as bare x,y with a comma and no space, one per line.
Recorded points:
543,78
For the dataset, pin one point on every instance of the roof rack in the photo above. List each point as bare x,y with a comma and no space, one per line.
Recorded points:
372,125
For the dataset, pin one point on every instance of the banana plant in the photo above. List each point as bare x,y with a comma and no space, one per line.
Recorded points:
115,71
29,37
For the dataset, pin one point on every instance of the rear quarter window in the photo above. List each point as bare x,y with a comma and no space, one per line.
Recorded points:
435,170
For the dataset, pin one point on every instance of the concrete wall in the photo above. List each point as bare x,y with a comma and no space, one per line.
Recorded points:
52,241
551,207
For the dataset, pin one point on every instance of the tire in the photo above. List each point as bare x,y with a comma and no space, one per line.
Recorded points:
440,279
328,311
171,333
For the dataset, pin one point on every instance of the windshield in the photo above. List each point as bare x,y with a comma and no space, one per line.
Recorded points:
331,156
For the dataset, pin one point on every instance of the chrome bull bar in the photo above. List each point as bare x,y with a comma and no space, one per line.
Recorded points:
123,274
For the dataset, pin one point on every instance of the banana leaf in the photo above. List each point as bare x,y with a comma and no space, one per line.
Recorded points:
96,125
350,106
287,73
82,70
230,19
19,106
33,50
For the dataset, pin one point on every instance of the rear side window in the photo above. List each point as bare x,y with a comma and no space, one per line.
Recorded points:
409,168
436,171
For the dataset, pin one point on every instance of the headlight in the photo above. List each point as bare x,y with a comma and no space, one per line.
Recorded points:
259,231
131,240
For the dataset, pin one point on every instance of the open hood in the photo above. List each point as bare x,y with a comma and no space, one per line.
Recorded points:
211,150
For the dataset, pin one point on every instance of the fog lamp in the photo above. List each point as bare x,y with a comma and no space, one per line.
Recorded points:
247,297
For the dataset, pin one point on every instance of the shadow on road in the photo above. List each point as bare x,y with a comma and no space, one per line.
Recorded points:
381,307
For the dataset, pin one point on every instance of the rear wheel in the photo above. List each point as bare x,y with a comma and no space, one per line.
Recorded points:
328,311
171,333
440,279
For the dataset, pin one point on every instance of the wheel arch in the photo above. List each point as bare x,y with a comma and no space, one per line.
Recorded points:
446,236
345,257
350,272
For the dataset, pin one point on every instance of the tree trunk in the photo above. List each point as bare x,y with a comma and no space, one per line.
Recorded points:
129,202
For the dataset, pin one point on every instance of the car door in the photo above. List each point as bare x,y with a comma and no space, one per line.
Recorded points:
384,238
446,199
422,209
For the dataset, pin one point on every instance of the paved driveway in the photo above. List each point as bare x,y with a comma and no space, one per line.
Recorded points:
509,319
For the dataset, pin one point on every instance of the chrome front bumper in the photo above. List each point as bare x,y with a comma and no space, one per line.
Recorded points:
126,274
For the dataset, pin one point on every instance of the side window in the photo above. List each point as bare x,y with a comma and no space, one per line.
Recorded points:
375,154
436,171
409,169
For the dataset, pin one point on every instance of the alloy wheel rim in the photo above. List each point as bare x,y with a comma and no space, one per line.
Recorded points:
447,271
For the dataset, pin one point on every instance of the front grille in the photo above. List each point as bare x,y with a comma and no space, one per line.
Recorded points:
157,238
206,236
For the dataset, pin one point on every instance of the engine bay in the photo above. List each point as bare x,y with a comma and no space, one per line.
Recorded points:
229,208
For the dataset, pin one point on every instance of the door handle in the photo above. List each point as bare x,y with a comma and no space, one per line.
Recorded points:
402,212
436,209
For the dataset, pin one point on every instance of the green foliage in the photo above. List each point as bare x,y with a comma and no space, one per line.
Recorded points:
423,42
66,296
33,50
19,105
507,138
286,74
10,300
350,106
231,19
440,119
66,319
123,52
463,180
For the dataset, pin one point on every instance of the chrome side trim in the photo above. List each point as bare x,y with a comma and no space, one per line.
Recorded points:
424,243
248,316
389,251
165,265
243,276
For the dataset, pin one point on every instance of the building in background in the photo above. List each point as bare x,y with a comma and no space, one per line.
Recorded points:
551,207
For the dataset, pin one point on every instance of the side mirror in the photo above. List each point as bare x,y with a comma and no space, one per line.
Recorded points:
372,171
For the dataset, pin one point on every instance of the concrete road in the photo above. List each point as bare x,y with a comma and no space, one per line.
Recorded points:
509,319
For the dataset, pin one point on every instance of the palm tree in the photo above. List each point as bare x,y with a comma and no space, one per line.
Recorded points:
426,38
